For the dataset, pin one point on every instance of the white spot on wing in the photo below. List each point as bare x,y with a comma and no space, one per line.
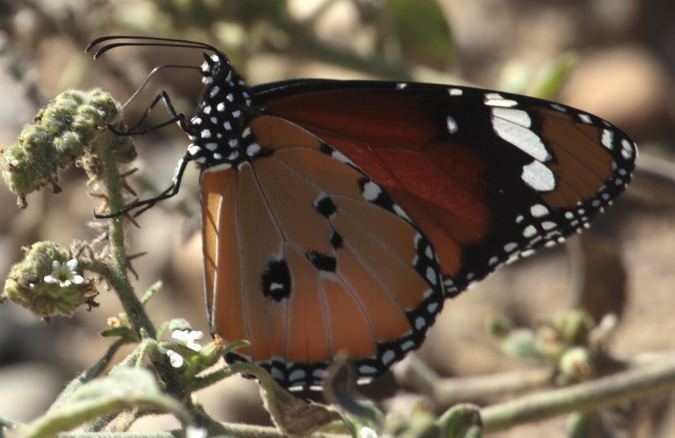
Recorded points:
529,231
626,149
608,138
452,124
371,191
276,373
496,99
548,225
455,91
340,157
431,276
510,247
399,211
253,149
517,134
388,357
407,345
420,323
367,369
517,116
538,210
538,176
297,375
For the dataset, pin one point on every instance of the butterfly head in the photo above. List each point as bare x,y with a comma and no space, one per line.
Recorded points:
216,69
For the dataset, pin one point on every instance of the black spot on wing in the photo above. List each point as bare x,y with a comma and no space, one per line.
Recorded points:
276,280
323,262
325,206
336,240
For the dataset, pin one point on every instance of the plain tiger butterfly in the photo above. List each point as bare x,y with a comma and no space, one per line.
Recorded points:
337,216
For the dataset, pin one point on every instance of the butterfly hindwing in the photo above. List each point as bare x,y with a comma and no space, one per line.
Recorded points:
306,257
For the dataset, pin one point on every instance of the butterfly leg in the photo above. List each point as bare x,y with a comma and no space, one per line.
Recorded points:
175,117
147,203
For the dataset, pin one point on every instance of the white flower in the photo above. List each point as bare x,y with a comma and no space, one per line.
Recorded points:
175,359
196,432
367,432
188,338
65,274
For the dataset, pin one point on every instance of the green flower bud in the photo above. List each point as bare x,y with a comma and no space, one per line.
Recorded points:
48,282
575,325
60,135
69,147
576,364
499,326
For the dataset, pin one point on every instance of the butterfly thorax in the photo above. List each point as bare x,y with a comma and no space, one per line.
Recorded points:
220,129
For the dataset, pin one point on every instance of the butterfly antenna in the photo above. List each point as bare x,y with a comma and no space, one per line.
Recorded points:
145,41
150,75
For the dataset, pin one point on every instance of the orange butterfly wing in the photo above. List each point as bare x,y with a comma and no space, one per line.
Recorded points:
487,176
305,256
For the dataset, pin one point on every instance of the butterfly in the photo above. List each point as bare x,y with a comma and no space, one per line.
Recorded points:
338,216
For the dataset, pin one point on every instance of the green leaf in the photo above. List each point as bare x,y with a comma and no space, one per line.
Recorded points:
124,388
554,76
420,31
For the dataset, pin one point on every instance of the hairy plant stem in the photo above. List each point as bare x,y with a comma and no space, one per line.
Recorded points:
117,270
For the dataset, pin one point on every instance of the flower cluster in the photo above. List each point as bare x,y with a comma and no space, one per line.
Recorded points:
186,338
48,282
58,137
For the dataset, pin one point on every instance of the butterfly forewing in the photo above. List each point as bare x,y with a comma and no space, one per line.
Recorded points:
488,176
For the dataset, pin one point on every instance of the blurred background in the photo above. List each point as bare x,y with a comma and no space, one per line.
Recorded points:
613,58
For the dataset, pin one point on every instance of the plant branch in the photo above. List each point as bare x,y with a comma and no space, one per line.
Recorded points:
117,269
448,391
589,396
